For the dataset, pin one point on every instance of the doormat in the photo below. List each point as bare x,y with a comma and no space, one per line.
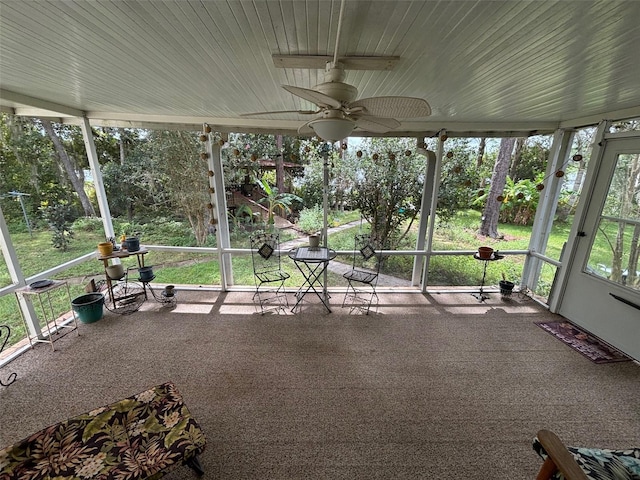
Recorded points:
591,347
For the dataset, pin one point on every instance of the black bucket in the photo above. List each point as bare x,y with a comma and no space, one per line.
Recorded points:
506,287
88,307
146,274
132,243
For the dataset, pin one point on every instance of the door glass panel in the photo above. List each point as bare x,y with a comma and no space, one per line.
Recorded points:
616,246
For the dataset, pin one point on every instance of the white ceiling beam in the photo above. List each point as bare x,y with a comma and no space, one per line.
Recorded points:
617,115
23,101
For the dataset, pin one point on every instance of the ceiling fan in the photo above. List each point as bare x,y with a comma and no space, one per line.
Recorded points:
339,111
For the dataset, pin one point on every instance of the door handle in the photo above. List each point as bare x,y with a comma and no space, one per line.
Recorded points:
624,300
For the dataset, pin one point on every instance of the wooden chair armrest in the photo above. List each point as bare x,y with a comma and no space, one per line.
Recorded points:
559,458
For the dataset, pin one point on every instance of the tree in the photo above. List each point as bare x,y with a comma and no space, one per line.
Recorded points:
58,216
74,175
29,165
491,213
457,177
388,187
628,177
583,142
178,174
341,176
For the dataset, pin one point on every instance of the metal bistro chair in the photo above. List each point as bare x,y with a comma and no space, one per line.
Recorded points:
363,276
268,274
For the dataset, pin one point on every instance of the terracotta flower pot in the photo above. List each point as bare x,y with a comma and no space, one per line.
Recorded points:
485,252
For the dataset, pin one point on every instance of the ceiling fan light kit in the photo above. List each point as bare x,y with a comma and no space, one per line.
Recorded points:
332,129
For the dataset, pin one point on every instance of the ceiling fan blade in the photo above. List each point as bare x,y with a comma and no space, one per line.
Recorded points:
320,99
392,107
301,112
376,124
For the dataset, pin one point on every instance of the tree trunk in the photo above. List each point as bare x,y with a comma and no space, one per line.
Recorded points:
481,148
279,165
76,181
517,159
121,134
626,211
634,248
575,191
489,225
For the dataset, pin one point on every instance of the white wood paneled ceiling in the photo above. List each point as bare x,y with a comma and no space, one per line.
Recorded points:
483,65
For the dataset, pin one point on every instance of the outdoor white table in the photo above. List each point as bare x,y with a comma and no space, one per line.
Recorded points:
312,263
47,310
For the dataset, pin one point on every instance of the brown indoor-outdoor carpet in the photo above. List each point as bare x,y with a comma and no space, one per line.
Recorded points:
582,342
427,387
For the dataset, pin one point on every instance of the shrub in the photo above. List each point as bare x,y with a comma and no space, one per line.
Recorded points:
88,224
311,219
57,217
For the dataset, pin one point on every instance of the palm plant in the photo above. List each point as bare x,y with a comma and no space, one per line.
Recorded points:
276,200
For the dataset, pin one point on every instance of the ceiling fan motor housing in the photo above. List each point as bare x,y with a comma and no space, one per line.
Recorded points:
334,86
343,92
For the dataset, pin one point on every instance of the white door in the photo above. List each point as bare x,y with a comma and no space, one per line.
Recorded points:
603,289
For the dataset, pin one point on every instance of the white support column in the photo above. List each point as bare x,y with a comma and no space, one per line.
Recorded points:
216,182
547,205
425,208
568,254
103,205
17,277
434,204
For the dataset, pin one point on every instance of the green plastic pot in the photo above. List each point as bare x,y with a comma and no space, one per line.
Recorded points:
88,307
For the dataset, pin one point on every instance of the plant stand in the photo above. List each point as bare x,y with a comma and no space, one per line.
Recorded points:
481,296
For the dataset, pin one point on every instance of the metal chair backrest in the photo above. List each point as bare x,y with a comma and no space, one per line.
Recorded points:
265,252
366,254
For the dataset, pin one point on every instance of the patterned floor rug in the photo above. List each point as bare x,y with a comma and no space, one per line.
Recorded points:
591,347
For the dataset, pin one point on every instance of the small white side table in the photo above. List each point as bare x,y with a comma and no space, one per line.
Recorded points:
44,297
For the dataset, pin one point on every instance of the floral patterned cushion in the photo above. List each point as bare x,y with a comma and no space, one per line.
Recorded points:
601,464
140,437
